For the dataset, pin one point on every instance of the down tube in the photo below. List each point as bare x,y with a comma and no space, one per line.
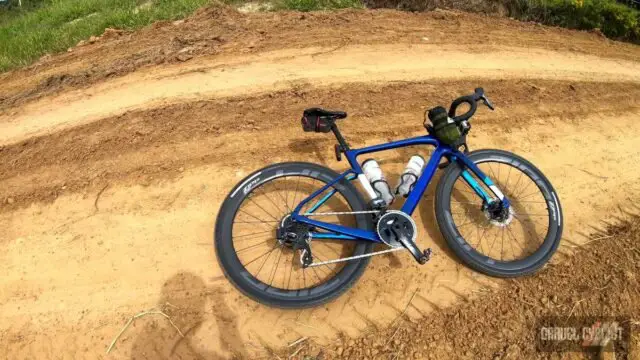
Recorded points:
421,185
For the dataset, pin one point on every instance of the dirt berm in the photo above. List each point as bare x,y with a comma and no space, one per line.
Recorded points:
116,156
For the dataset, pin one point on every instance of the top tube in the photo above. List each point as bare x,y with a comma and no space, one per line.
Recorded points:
354,153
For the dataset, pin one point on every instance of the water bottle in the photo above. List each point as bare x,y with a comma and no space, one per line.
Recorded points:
374,175
410,175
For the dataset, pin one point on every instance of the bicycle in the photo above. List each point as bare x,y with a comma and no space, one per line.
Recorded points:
266,203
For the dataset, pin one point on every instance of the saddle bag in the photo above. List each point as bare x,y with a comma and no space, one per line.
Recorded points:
311,121
445,129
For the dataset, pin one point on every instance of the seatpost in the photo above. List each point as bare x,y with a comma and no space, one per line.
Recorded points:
341,140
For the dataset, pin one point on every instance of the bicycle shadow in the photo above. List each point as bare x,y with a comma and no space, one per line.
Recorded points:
184,298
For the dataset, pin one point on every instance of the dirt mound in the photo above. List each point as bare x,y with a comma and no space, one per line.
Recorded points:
222,31
599,280
148,135
106,217
103,216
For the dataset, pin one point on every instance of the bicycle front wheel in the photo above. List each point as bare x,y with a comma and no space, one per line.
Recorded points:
518,241
268,270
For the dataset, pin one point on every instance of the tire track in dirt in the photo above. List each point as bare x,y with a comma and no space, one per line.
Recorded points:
79,273
143,146
308,67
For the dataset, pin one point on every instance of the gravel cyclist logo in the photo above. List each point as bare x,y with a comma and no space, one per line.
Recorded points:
582,334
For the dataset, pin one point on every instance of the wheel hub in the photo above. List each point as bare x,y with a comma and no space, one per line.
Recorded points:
291,233
498,214
295,235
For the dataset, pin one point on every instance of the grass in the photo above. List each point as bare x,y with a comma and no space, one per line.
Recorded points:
311,5
50,26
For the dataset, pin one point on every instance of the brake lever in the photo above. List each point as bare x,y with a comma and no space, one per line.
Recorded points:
487,102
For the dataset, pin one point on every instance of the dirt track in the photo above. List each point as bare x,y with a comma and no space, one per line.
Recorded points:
109,210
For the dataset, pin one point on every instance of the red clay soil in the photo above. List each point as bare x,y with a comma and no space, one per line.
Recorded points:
222,31
599,280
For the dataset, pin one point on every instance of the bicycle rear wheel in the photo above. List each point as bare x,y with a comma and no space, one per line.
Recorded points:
514,242
268,270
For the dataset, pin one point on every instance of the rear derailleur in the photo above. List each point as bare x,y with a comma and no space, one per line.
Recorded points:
295,236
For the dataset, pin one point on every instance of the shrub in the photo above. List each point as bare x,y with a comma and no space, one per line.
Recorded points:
615,20
311,5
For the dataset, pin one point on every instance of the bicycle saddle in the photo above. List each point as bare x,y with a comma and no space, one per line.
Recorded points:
318,112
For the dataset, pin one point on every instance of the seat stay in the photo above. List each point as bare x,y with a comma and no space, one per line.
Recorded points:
336,231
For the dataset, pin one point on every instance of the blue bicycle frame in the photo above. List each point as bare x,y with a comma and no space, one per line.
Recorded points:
335,231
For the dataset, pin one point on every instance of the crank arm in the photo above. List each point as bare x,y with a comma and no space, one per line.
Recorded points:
421,256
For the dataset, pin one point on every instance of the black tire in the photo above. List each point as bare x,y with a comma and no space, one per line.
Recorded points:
471,256
262,292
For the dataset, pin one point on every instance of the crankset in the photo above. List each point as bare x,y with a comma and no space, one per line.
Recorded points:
395,228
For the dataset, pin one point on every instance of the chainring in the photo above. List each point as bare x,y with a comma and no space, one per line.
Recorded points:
393,224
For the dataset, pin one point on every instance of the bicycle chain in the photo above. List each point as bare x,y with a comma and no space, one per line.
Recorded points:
314,264
344,213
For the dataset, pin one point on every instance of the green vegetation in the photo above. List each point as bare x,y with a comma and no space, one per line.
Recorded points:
615,20
49,26
311,5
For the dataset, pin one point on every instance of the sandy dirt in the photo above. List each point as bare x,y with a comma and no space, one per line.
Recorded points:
110,187
278,70
505,322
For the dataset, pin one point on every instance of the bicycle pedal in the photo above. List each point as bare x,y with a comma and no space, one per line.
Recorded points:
426,256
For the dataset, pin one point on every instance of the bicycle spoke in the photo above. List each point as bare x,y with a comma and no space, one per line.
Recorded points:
491,247
287,210
286,194
250,262
316,273
523,190
273,275
507,182
276,265
322,259
330,248
293,261
492,173
502,244
528,231
250,247
515,188
255,222
481,236
257,218
267,258
514,238
295,194
467,211
257,233
258,205
270,200
529,220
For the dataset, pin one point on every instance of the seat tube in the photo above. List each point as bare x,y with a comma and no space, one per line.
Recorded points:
421,185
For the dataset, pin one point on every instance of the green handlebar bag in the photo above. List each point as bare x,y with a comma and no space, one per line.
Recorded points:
445,129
